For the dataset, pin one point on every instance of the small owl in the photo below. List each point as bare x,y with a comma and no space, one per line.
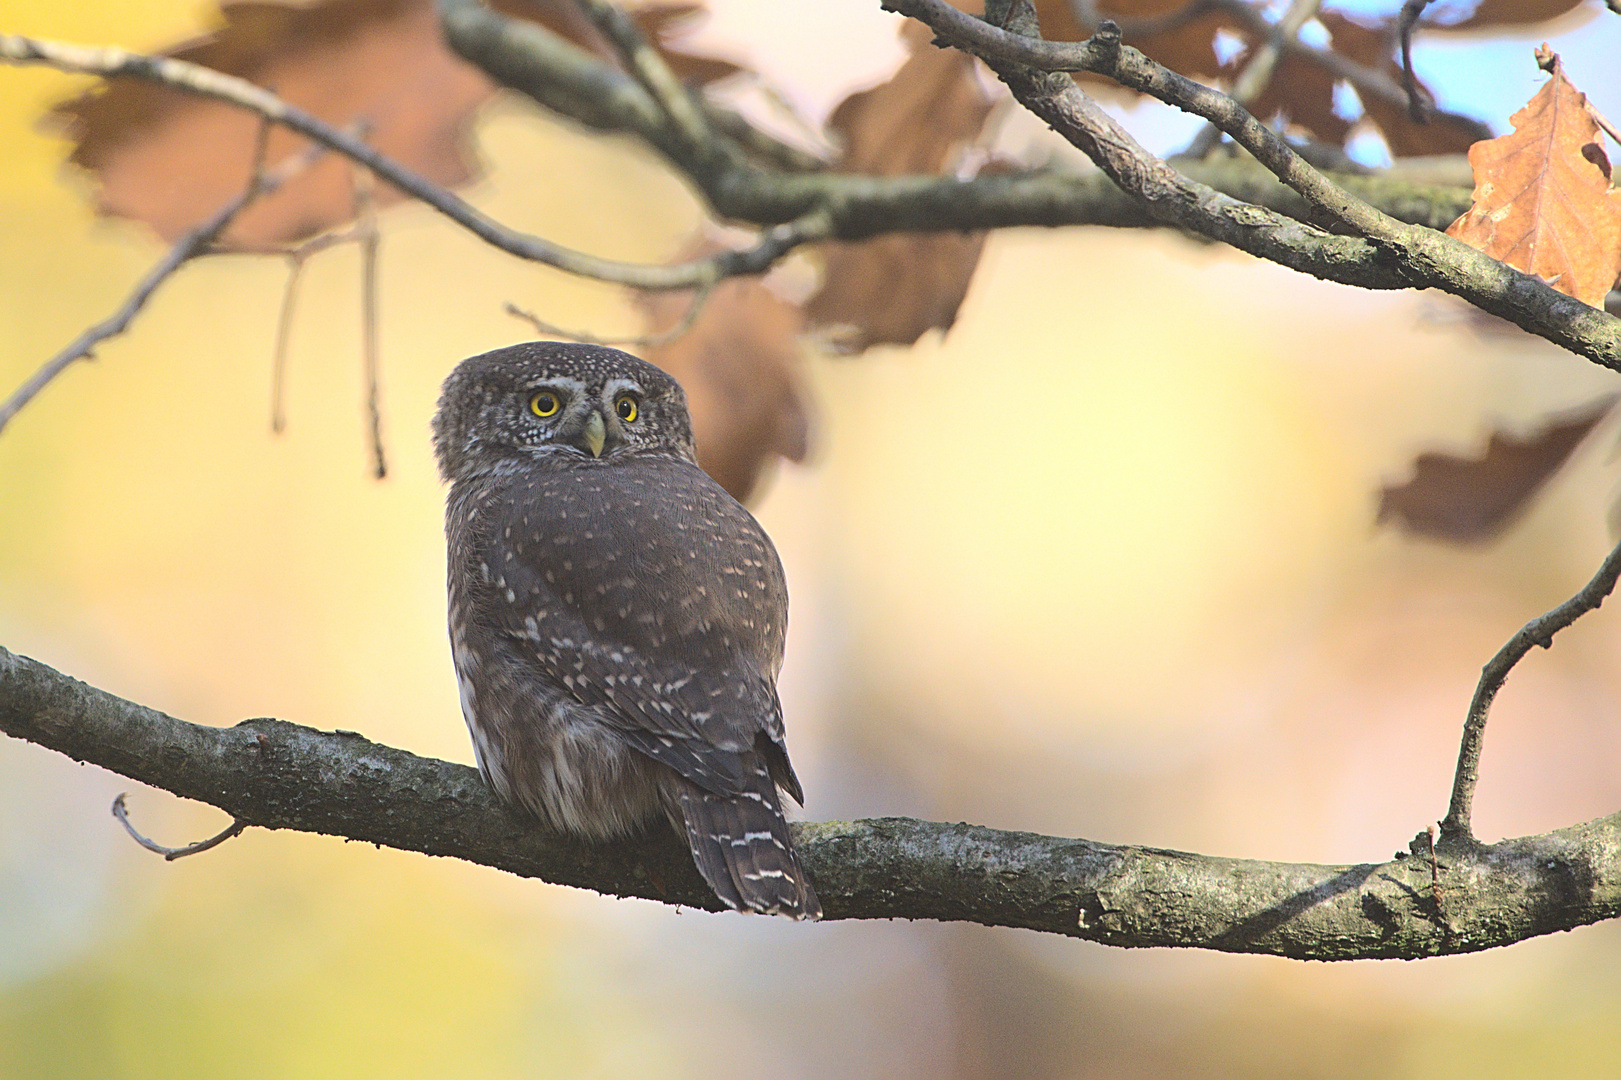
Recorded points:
616,618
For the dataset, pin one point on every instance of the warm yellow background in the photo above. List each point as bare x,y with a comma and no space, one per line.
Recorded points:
1101,563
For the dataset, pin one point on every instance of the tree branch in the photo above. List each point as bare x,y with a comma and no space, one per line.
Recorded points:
1538,631
276,775
195,243
1386,253
115,63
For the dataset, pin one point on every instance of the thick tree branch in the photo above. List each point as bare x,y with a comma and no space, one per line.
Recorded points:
282,776
535,62
1391,254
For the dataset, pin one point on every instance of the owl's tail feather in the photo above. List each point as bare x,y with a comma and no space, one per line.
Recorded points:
742,846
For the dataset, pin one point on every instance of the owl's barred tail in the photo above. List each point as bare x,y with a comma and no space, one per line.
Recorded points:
742,847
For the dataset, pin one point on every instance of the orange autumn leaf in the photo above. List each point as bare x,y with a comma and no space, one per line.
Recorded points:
896,288
1543,201
170,159
739,364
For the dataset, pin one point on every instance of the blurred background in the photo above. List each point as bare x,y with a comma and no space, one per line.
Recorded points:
1149,605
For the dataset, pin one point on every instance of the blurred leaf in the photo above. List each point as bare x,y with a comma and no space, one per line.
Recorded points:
1543,201
1469,500
1502,13
662,23
739,364
1374,47
1302,90
169,158
896,288
166,158
1189,48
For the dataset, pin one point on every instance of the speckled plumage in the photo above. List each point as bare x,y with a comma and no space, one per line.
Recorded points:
616,618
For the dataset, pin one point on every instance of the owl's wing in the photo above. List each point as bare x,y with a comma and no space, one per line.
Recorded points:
644,589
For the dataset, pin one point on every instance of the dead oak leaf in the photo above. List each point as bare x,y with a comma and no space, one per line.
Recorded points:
1186,46
893,289
739,364
1470,500
1491,14
1374,47
1543,201
170,158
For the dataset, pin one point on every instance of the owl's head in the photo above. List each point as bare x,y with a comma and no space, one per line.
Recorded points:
556,402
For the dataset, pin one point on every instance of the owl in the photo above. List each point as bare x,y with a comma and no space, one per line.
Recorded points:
616,618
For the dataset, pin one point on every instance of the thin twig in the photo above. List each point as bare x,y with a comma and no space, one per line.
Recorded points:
284,331
196,242
296,257
1607,125
369,238
1538,631
171,854
1417,107
645,341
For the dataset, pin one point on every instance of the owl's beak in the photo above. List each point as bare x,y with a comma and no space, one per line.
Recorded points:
595,434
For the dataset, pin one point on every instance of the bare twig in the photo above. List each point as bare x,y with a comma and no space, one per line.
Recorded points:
1417,107
369,236
644,341
171,854
1539,631
196,242
284,331
1605,123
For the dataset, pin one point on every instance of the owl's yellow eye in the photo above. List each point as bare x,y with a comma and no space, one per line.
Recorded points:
625,408
544,404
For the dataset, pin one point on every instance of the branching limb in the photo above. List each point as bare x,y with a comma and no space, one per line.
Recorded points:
1395,255
275,775
114,63
1538,631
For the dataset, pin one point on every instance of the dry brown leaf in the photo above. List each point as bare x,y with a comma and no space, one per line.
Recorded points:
1373,47
739,363
1495,13
1302,90
896,288
169,158
660,23
1470,500
1189,49
1543,201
